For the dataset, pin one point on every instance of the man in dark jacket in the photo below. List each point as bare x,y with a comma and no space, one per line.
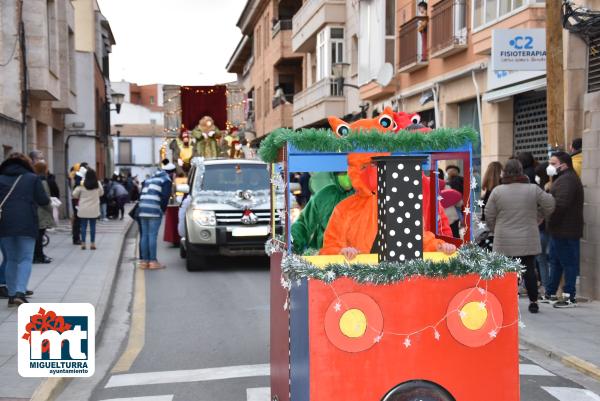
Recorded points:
565,227
19,222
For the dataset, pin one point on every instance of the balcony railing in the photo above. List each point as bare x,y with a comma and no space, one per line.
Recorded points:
277,101
320,91
413,45
448,28
282,25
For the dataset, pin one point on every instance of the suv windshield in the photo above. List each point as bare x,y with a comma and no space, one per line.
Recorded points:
233,177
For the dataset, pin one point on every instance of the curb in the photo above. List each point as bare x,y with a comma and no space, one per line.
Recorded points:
566,359
50,388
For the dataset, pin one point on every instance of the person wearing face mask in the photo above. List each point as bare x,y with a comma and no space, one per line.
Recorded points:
308,230
565,228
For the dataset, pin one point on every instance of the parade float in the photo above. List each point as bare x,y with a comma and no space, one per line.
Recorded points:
396,323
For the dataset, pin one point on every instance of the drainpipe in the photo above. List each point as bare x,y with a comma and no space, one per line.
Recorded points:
478,108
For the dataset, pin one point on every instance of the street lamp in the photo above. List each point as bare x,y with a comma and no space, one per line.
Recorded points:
117,99
339,73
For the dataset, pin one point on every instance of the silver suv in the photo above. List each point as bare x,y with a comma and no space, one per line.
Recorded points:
229,212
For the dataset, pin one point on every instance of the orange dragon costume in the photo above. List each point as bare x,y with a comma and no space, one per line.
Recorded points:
353,222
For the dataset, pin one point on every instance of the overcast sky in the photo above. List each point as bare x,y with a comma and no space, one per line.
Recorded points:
185,42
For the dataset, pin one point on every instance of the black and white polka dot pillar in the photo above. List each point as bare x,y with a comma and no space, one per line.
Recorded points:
400,213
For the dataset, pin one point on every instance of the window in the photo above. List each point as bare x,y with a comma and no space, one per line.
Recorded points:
52,36
72,72
125,156
151,99
594,64
390,31
321,56
330,50
258,101
373,26
487,11
267,103
258,38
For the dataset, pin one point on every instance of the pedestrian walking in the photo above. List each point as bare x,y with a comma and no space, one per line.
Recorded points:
45,215
542,180
89,195
491,179
104,200
119,193
512,215
565,228
154,199
21,192
77,173
528,162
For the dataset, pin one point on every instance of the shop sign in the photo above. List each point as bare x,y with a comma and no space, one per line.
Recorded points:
519,49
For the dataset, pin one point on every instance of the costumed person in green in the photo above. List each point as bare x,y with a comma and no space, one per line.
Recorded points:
308,230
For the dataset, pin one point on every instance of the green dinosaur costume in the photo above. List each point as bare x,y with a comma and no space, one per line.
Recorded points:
308,230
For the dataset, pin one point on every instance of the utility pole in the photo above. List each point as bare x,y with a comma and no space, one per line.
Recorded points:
555,97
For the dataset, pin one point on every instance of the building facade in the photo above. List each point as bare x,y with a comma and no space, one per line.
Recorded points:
268,69
138,131
38,87
87,132
326,32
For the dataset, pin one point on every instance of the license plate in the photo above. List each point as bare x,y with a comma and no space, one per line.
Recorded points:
250,231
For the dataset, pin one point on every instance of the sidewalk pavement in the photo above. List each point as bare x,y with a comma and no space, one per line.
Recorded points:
570,335
75,275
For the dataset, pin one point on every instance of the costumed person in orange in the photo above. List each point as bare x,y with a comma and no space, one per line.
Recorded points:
352,227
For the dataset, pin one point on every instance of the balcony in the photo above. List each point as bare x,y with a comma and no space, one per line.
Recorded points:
281,25
310,19
280,47
448,28
315,103
413,46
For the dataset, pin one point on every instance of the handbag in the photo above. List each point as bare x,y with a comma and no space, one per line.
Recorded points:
55,202
9,193
133,213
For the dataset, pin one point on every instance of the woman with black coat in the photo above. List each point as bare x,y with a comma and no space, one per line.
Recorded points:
21,193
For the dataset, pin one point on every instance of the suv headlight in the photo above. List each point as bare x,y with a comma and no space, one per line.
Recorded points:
204,217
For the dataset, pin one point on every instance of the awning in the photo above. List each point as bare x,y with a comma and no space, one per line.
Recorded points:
499,95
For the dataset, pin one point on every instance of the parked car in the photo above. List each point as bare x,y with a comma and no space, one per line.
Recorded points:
230,210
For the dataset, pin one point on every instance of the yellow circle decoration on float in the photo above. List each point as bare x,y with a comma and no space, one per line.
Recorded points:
474,315
353,323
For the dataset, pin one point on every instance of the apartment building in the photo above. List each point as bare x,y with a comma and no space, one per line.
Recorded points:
137,130
87,131
326,32
266,65
38,86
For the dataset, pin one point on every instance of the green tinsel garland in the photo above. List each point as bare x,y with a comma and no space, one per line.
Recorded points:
323,140
470,259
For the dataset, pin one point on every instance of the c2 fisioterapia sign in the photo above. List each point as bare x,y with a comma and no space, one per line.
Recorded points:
519,49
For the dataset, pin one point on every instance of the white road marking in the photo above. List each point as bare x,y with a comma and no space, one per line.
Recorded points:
258,394
572,394
149,398
526,369
187,376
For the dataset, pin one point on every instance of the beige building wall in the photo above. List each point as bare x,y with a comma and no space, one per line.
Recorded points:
590,245
85,20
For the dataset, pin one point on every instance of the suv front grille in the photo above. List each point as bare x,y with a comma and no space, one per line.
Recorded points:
234,217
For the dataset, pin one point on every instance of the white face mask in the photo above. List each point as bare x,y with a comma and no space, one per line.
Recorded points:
551,170
538,180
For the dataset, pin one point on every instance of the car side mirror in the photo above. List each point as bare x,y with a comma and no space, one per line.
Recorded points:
183,188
